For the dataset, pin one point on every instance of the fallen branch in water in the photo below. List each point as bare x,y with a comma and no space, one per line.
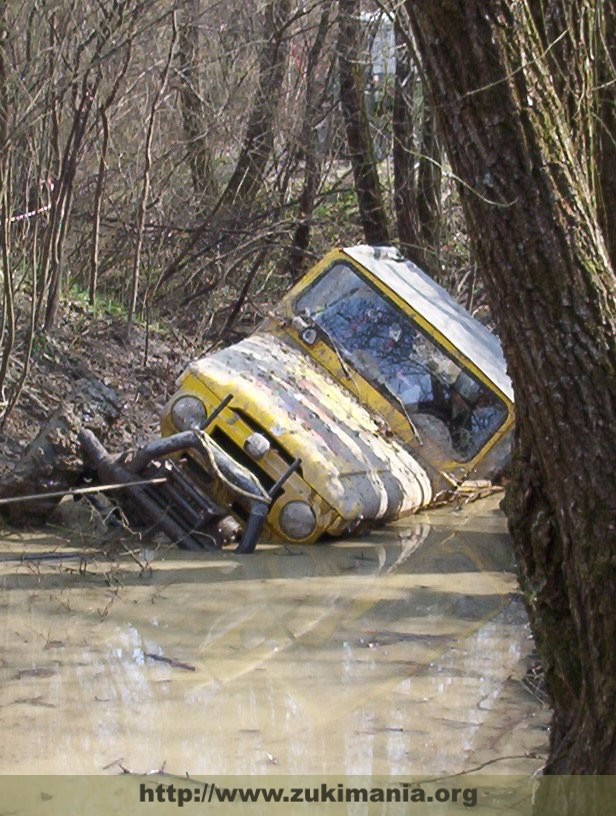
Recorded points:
175,664
78,491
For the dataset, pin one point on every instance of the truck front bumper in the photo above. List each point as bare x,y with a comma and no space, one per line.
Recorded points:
176,501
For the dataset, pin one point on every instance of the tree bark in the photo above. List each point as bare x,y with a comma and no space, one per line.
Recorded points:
359,139
405,194
536,236
7,307
4,81
605,127
579,38
312,160
249,172
417,171
191,102
429,176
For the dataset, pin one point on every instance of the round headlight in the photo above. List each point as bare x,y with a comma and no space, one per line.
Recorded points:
188,413
297,520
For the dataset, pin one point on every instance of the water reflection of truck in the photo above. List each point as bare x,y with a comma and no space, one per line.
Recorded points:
367,393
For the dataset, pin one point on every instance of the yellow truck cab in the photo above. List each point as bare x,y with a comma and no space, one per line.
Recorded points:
366,394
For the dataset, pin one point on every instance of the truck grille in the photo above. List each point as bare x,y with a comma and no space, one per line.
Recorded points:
241,457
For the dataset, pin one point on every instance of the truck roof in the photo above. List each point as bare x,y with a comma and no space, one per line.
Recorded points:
477,343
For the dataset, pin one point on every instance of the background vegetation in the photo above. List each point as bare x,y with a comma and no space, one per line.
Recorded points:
187,159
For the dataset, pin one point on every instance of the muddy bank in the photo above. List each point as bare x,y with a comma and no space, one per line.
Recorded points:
94,347
84,376
401,652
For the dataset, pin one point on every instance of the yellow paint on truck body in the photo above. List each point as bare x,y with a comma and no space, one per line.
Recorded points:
366,456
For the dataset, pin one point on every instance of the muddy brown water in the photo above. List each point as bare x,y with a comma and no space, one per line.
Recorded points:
402,652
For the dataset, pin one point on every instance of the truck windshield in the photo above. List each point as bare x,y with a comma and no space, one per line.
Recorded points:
389,349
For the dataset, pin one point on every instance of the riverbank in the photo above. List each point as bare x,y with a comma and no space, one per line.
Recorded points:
93,346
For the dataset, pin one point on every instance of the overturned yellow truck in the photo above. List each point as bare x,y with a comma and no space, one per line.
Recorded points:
364,396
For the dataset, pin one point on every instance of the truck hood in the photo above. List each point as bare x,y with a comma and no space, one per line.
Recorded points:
346,456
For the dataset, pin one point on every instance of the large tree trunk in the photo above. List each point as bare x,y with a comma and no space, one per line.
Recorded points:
605,129
359,139
405,194
537,239
4,91
417,171
579,38
249,172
